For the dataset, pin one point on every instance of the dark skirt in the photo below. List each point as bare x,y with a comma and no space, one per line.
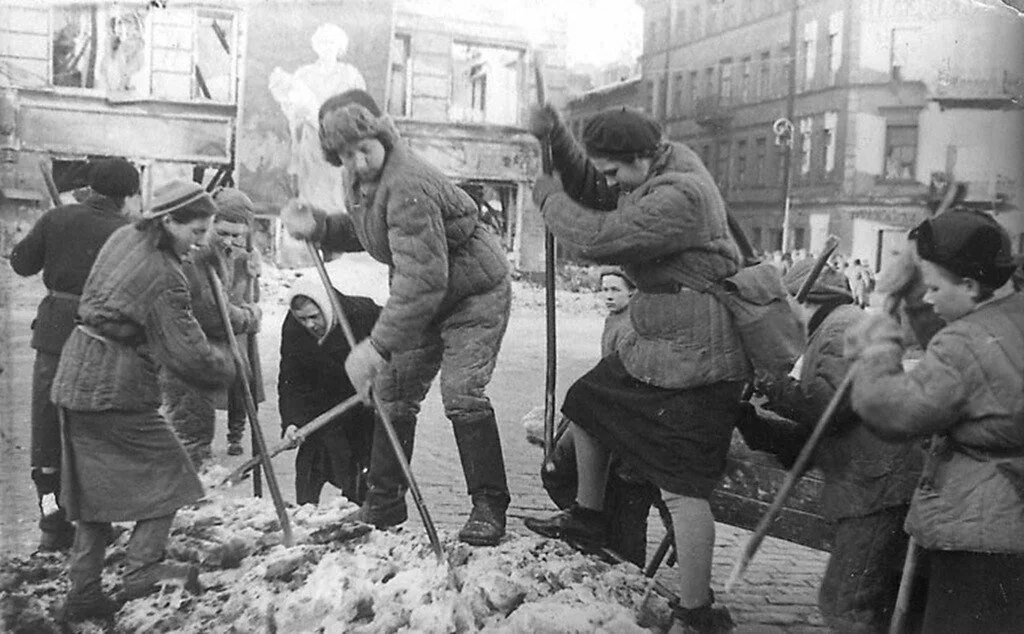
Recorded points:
972,593
124,466
676,438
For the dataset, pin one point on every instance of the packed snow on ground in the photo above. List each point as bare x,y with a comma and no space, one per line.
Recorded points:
343,576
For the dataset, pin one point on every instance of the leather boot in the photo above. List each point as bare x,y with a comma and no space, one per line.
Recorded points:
486,523
84,607
56,532
483,466
148,579
706,619
577,525
384,505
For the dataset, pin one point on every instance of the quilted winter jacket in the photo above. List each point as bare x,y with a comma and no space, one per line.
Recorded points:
669,233
137,310
863,473
969,387
63,245
429,232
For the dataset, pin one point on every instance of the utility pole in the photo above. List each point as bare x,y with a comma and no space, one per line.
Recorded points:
787,158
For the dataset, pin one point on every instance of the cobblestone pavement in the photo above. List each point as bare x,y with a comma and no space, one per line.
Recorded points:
779,591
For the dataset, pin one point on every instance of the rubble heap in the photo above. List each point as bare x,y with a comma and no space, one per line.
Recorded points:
343,576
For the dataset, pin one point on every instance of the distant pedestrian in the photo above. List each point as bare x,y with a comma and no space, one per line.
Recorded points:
63,245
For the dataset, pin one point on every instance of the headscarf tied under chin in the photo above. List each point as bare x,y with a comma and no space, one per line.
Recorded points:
350,117
312,287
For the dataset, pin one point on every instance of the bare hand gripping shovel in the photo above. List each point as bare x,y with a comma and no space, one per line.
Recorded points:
396,444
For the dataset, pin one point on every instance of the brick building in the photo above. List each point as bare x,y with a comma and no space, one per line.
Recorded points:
885,96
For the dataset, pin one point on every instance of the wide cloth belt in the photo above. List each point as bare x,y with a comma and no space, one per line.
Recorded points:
62,295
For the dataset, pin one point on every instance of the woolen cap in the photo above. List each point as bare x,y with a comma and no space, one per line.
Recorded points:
234,206
621,133
830,285
179,194
113,177
968,243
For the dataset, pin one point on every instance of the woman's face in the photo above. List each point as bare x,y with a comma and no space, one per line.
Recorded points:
616,293
950,298
312,318
187,235
365,159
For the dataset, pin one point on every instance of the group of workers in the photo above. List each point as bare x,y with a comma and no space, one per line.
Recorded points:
125,344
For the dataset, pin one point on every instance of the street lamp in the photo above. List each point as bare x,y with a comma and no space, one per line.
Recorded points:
784,129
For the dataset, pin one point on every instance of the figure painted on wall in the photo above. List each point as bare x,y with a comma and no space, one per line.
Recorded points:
300,94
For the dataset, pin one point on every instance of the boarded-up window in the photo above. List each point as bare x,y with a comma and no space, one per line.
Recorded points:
213,66
485,84
900,152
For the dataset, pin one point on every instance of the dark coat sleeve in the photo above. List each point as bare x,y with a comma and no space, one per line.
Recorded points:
29,255
296,389
580,177
340,234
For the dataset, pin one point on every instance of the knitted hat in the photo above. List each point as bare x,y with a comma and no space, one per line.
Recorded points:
350,117
621,134
969,243
830,285
234,206
179,194
114,177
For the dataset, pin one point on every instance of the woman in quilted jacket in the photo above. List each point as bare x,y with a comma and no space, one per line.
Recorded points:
447,311
666,399
122,461
967,393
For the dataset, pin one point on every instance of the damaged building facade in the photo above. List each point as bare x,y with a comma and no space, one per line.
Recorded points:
229,91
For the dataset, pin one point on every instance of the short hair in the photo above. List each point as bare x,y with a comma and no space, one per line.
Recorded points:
620,274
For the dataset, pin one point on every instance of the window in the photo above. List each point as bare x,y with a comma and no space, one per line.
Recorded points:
722,166
835,46
745,83
804,149
692,88
829,132
741,162
764,80
755,238
178,54
696,24
663,97
677,95
761,152
785,69
798,238
485,84
900,152
725,81
399,96
709,83
705,155
809,52
649,96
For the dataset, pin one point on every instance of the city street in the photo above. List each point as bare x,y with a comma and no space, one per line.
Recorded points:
779,594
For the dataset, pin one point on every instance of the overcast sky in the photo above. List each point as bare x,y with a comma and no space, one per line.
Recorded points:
603,31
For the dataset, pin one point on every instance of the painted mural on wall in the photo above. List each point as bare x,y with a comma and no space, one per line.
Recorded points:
295,60
300,95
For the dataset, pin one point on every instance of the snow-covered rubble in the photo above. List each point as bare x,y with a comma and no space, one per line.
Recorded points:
342,576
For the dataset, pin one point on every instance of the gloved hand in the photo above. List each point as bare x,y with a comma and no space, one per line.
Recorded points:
255,318
362,366
291,435
543,187
542,120
874,332
303,221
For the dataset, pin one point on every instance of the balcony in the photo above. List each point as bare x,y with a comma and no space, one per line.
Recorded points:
712,113
998,90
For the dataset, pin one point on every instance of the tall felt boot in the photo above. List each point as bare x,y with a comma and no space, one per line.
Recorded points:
386,486
484,468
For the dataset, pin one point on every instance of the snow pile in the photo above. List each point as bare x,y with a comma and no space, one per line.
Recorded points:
342,576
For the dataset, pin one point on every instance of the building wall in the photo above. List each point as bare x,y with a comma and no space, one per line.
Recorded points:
875,134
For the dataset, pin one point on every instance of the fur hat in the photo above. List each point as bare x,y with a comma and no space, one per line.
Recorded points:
350,117
830,285
115,177
969,243
234,206
179,194
621,134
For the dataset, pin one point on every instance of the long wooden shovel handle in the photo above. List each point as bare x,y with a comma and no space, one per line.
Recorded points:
389,429
899,613
803,459
220,298
549,284
304,432
819,265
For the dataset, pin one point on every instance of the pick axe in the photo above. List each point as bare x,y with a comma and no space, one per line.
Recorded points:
220,298
389,429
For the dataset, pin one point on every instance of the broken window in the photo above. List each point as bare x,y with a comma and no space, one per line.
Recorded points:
73,48
485,84
497,203
214,57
